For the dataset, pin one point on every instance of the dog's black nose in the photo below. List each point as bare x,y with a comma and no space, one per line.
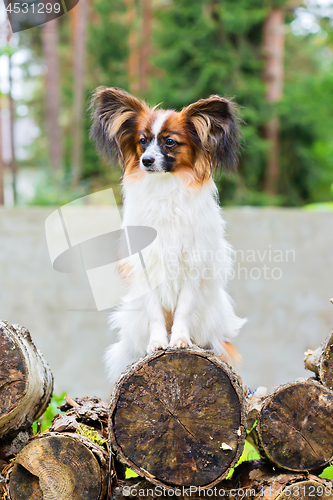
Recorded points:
148,161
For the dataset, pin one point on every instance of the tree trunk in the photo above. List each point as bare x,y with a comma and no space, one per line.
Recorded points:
133,70
273,46
147,17
79,73
50,43
295,426
55,466
13,165
320,362
2,164
26,385
177,417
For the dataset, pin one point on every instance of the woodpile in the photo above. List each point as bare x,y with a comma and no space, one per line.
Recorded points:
178,418
70,461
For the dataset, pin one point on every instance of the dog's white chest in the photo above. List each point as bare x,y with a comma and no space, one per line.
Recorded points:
189,229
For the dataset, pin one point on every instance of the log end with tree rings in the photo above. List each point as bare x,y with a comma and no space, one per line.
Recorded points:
59,467
178,418
295,426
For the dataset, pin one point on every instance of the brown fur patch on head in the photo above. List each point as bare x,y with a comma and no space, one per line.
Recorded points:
115,115
212,125
191,163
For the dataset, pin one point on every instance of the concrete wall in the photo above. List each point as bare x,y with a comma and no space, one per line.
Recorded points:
283,282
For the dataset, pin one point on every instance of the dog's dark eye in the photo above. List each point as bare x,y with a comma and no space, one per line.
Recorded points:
143,141
170,142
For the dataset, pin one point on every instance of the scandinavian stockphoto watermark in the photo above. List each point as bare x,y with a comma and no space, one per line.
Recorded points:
88,236
226,264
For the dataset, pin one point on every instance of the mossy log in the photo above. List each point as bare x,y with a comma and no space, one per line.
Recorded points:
295,426
26,385
59,466
177,418
320,361
257,480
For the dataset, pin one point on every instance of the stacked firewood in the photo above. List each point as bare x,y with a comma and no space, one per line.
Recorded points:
71,459
177,418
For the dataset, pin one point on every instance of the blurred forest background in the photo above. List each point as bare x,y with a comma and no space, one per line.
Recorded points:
275,58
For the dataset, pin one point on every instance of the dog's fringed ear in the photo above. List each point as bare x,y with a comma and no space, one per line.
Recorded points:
215,122
114,114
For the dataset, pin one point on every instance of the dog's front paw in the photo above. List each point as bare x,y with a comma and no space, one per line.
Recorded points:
180,337
156,345
181,343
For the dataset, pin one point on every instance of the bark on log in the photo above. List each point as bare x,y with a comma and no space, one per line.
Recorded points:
26,384
295,426
256,480
254,405
59,466
320,361
177,417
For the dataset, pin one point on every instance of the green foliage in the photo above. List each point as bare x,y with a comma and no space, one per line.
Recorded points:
51,411
56,191
130,473
201,47
327,473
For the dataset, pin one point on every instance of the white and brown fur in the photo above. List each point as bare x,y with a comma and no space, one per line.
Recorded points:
169,158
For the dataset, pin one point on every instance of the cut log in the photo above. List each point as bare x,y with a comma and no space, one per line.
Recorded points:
26,382
177,417
320,361
56,466
295,426
256,480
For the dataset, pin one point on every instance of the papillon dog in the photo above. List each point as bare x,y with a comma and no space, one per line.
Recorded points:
169,159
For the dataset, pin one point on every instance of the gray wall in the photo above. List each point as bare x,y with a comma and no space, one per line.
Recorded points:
282,284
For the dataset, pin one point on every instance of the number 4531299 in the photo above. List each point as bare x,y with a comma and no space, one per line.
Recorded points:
39,8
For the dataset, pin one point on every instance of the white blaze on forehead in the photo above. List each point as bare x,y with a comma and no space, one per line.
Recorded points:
153,150
158,122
